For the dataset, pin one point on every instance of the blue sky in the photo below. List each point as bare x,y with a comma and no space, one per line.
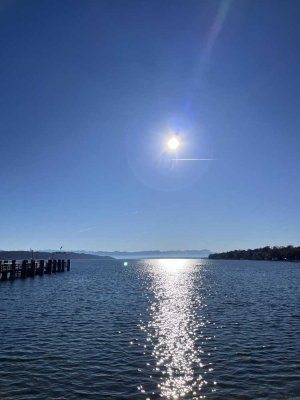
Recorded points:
90,90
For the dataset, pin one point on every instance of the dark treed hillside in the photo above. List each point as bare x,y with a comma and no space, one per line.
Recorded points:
289,253
43,255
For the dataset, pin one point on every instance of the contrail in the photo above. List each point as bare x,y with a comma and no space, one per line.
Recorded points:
216,28
193,159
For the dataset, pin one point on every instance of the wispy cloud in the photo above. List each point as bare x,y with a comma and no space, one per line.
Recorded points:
217,26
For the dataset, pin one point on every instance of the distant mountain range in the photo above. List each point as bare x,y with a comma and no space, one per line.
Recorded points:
151,253
84,254
44,255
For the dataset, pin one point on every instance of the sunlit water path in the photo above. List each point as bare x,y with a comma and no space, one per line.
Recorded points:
154,329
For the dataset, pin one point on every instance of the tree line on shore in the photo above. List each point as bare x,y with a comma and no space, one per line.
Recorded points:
276,253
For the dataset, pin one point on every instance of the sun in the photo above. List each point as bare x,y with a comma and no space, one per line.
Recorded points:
173,143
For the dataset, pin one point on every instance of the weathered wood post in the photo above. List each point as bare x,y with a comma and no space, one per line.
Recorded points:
4,272
4,276
58,265
18,271
68,265
54,267
12,275
41,267
49,267
63,264
32,268
24,269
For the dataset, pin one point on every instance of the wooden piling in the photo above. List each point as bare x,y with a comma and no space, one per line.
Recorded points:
23,269
32,269
4,275
49,267
54,266
41,267
12,275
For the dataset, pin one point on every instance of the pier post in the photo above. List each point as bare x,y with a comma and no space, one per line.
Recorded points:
68,265
12,275
4,275
41,267
58,265
49,267
32,268
24,269
63,264
18,270
54,267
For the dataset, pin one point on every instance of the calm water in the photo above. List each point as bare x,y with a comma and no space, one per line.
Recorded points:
155,329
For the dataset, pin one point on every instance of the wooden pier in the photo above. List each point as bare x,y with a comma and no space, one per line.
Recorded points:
15,269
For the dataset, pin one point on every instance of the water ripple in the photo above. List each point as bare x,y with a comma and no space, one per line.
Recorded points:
167,329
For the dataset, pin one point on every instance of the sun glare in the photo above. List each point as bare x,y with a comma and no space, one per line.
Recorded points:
173,143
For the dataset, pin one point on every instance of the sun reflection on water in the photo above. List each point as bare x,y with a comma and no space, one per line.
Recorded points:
174,330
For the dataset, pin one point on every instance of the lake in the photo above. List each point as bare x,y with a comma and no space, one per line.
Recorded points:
154,329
